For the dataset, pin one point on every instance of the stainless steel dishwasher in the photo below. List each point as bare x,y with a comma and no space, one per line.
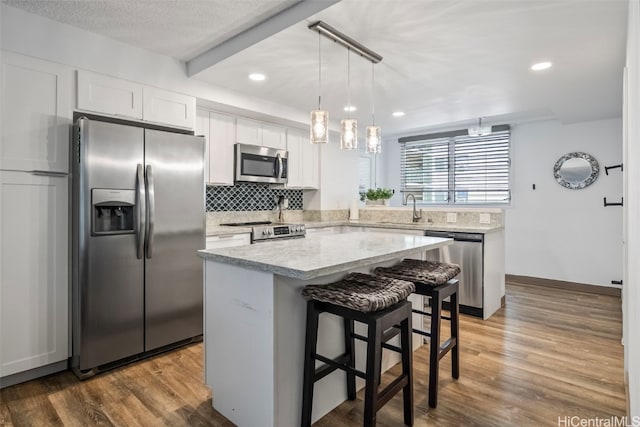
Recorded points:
467,251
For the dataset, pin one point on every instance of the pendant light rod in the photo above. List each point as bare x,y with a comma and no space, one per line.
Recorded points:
335,35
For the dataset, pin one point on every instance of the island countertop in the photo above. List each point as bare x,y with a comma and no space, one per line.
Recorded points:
309,258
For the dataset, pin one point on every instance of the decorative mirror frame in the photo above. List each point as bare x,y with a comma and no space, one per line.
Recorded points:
595,170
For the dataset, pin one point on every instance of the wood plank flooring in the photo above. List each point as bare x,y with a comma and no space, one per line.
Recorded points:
550,353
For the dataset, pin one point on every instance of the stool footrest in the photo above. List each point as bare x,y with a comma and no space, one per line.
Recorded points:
384,344
389,391
331,365
446,346
421,332
424,313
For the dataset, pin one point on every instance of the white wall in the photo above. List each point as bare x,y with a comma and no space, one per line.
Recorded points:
631,291
554,232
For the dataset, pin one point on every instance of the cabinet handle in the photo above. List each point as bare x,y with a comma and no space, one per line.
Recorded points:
48,173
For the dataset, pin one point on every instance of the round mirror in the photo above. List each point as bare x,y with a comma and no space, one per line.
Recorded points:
576,170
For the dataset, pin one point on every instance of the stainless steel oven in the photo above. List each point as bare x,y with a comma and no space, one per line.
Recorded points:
260,164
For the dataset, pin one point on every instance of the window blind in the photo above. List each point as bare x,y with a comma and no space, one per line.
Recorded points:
456,168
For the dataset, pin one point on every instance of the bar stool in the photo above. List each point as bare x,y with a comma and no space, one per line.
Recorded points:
380,303
434,280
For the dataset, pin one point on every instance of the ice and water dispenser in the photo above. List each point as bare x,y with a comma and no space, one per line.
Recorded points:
112,211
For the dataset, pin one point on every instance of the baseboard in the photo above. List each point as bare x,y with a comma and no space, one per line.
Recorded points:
32,374
560,284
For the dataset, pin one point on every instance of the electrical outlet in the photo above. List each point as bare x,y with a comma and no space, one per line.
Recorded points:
485,218
452,217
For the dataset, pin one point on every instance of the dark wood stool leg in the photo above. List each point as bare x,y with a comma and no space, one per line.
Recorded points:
406,344
350,349
434,346
455,330
310,346
374,354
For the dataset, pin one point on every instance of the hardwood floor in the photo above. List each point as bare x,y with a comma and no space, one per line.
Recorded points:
550,353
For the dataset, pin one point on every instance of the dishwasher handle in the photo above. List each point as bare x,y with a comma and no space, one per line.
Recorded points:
457,236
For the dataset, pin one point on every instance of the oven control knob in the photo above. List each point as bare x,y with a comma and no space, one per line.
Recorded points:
296,228
264,232
269,232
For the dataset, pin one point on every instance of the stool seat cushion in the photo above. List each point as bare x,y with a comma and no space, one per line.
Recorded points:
361,292
431,273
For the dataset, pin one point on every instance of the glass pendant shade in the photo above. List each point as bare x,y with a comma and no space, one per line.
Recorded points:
348,134
373,138
319,130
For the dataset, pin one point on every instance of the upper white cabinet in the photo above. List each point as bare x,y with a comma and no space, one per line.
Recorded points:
202,128
36,114
104,94
34,277
254,132
118,97
274,136
221,144
303,161
165,107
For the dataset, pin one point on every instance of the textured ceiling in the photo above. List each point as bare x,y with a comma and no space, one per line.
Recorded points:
448,61
445,61
178,28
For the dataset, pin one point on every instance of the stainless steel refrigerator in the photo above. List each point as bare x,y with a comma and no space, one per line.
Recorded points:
138,220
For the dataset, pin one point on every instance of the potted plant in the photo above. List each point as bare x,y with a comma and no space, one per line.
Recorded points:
378,196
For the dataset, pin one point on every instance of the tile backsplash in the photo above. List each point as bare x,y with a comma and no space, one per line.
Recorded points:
249,197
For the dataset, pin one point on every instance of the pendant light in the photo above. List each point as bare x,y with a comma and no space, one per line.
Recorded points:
319,129
348,126
373,133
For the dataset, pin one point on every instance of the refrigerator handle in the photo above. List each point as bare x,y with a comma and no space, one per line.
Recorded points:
151,210
141,217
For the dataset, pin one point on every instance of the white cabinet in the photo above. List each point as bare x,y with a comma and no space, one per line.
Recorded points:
109,95
118,97
221,144
219,131
34,284
228,240
36,114
171,108
303,162
254,132
274,136
202,129
248,131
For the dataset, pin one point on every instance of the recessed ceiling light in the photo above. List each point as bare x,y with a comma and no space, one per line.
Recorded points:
397,113
257,77
350,108
541,66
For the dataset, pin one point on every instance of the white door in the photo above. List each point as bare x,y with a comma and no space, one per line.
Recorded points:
294,161
171,108
34,284
274,136
109,95
248,131
202,128
310,164
36,114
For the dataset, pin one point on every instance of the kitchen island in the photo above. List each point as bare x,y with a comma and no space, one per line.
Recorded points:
255,320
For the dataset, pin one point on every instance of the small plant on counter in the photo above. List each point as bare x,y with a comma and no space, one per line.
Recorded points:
379,193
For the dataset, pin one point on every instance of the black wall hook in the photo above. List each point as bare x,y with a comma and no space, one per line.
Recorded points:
613,204
606,168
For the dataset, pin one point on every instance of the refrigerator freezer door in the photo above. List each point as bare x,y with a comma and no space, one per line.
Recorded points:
109,319
173,289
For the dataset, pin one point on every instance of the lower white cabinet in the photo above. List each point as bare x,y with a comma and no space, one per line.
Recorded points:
228,240
34,271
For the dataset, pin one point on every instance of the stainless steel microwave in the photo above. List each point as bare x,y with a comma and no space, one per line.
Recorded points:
260,164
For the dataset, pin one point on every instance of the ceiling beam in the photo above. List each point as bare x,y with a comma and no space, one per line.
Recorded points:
292,15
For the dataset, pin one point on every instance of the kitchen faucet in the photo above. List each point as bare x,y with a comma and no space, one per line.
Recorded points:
416,217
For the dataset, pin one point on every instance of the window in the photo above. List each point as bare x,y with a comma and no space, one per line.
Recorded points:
454,168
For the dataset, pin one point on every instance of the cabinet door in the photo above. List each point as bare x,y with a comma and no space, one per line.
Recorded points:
165,107
274,136
228,240
248,132
36,114
34,297
202,128
310,164
104,94
221,136
294,162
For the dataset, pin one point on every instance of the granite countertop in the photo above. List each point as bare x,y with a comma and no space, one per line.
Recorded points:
408,226
221,230
311,258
